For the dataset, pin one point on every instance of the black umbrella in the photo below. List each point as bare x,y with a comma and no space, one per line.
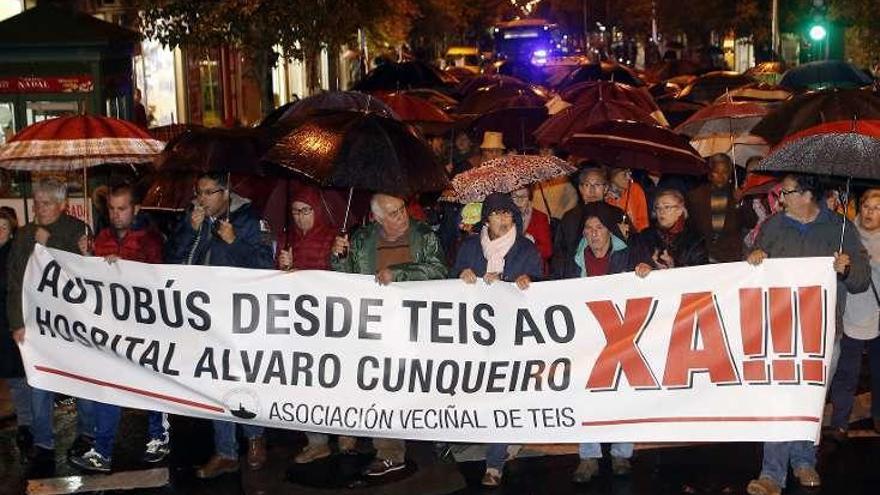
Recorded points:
404,75
360,150
811,109
517,124
708,87
825,74
490,98
331,100
200,150
604,71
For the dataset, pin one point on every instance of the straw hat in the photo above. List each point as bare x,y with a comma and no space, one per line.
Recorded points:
492,141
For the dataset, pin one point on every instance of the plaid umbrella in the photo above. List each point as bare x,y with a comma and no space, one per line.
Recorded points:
78,142
842,148
505,174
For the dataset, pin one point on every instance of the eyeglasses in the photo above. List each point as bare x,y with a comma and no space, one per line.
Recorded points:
519,197
206,193
666,208
785,192
306,210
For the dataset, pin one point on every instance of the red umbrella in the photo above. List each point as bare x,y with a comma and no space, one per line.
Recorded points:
577,118
756,184
468,86
733,117
81,141
637,145
490,98
592,91
413,109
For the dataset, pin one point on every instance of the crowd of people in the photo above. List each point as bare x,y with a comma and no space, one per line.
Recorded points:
600,221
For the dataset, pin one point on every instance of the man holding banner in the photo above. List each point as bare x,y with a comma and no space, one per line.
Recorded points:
806,228
395,249
51,227
222,229
126,239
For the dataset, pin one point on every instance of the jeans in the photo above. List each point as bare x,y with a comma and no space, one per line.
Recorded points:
845,381
225,442
594,450
107,418
778,456
21,400
43,404
499,453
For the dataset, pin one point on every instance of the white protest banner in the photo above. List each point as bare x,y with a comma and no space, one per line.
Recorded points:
725,352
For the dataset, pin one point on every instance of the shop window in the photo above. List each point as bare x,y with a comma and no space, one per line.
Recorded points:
7,121
38,111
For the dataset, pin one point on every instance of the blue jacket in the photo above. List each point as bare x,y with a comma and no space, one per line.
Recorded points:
252,247
522,259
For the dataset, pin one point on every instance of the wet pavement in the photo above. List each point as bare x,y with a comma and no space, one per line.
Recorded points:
852,468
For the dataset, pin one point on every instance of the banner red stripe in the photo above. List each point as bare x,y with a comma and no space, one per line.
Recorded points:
133,390
704,419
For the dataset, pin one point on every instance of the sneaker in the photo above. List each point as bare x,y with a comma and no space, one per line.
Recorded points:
216,466
492,478
763,486
312,453
80,446
24,440
620,466
585,471
91,461
256,454
381,467
807,477
156,451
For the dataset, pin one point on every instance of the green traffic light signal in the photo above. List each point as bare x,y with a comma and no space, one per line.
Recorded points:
818,32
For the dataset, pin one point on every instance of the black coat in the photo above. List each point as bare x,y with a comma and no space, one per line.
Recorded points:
687,249
10,358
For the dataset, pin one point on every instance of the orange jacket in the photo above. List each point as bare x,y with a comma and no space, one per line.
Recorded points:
634,203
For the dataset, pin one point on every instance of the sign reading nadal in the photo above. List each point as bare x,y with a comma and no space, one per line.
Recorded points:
723,352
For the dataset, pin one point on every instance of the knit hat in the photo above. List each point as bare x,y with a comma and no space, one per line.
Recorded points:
610,216
501,201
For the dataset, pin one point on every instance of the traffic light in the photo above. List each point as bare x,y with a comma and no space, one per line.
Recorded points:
818,32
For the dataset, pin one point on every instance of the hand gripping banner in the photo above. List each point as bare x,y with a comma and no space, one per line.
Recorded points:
727,352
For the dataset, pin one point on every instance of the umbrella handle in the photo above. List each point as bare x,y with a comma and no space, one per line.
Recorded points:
845,202
544,199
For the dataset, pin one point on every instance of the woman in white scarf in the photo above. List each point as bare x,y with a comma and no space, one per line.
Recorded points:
500,252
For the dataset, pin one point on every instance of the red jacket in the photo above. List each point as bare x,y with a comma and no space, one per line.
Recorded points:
311,251
144,245
539,229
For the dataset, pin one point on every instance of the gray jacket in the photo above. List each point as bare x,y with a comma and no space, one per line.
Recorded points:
784,237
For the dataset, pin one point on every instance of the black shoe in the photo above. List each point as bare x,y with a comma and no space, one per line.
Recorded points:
381,467
42,463
80,446
24,440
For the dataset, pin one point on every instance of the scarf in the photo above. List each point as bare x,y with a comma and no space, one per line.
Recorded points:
526,216
496,250
668,235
